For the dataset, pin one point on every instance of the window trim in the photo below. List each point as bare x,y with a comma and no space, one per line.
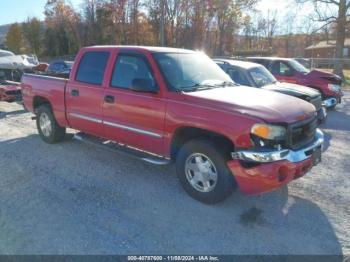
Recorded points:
131,54
104,73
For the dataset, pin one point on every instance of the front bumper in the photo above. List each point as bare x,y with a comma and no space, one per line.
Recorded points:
270,170
330,102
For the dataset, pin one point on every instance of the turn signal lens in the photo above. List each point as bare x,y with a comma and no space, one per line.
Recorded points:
270,132
261,131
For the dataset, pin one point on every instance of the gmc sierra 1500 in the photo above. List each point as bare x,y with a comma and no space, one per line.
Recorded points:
168,104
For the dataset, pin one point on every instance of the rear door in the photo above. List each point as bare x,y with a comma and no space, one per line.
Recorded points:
134,118
85,93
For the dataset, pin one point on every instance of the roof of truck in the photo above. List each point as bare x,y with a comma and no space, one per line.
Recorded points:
238,63
153,49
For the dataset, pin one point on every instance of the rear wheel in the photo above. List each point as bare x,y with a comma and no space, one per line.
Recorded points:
202,171
47,126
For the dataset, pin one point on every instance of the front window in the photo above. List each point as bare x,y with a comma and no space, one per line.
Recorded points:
299,67
188,71
128,68
261,76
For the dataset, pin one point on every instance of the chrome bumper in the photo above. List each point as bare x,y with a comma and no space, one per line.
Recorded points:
285,154
329,102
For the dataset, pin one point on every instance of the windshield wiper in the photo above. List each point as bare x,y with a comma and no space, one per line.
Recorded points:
227,83
197,87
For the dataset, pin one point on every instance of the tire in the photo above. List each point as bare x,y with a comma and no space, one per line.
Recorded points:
212,159
48,128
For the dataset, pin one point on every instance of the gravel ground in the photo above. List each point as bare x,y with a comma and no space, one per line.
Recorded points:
73,198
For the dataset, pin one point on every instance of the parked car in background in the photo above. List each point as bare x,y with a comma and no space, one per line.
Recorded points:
60,68
178,105
289,70
256,75
9,91
304,61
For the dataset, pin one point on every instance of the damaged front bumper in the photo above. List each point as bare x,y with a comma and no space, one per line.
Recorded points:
263,171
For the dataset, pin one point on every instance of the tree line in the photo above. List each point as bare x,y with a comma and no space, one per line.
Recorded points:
220,27
194,24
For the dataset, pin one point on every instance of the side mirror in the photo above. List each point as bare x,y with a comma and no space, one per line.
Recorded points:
143,85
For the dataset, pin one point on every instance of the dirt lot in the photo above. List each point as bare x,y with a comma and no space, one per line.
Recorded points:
72,198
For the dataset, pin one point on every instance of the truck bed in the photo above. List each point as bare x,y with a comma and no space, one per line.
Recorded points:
52,89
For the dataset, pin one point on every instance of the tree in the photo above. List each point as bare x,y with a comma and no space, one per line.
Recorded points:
32,33
14,38
333,12
62,29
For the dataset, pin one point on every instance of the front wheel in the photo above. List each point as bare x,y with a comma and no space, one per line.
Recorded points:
47,126
202,171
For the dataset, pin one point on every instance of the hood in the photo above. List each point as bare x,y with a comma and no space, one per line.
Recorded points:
272,107
293,90
332,78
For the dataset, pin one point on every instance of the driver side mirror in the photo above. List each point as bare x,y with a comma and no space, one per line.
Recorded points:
143,85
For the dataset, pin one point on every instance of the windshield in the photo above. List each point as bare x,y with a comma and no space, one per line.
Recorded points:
299,67
188,71
261,76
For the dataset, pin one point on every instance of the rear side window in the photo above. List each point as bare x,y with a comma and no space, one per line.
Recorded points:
92,67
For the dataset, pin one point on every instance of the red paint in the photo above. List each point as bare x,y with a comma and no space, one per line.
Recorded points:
8,97
230,113
316,79
265,178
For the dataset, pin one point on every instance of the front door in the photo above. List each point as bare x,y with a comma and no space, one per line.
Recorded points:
283,72
134,118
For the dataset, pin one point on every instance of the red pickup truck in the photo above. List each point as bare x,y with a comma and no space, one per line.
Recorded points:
167,105
291,71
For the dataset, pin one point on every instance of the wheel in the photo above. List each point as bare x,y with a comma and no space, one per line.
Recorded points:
202,171
48,128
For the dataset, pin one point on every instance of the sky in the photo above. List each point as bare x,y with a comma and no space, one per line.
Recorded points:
18,10
12,11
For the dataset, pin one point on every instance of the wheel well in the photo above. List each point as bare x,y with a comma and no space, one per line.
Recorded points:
39,100
185,134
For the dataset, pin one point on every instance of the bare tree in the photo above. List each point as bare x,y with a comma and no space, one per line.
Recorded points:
333,12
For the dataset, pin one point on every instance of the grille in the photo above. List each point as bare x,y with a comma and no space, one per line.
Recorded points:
317,102
302,133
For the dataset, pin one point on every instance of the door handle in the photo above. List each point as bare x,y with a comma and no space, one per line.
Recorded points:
75,92
109,99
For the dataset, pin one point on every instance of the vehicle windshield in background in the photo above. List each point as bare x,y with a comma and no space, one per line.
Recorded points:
191,71
261,76
69,65
299,67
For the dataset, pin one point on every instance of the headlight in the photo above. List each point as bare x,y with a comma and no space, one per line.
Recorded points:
334,88
270,132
